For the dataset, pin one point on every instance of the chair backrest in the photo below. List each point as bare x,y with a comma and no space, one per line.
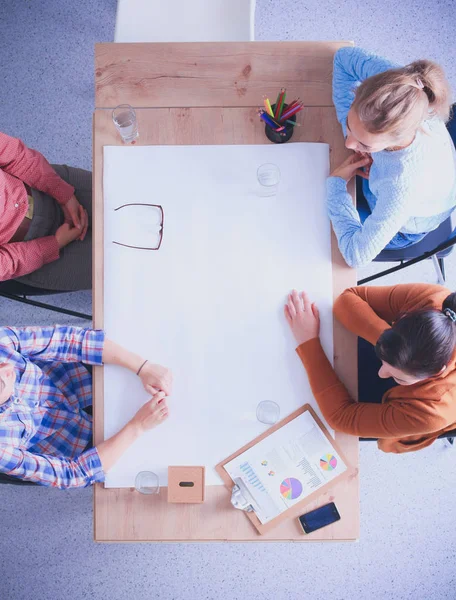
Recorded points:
184,21
451,125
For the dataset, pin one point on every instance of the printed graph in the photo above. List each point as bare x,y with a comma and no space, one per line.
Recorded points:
252,477
328,462
291,488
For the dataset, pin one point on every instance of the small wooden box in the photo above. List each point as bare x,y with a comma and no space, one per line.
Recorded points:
186,484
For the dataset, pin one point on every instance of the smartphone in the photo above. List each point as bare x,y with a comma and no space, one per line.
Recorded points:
320,517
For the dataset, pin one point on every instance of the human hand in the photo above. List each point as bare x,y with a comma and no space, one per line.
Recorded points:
151,414
75,214
365,171
156,378
302,316
352,166
66,234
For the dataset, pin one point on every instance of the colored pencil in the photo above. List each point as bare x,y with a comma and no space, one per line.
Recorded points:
278,100
267,119
292,104
280,118
268,107
279,104
282,103
291,112
276,123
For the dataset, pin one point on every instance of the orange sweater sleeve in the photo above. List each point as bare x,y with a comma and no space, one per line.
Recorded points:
390,420
368,311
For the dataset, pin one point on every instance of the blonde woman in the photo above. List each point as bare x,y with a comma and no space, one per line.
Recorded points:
394,120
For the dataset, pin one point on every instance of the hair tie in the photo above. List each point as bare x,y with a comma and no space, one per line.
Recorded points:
139,370
420,84
450,314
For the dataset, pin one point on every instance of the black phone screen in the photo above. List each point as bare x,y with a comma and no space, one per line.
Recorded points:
320,517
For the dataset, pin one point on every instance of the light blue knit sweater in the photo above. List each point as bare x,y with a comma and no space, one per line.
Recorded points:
411,190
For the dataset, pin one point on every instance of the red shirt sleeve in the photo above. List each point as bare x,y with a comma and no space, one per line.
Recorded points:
22,258
32,168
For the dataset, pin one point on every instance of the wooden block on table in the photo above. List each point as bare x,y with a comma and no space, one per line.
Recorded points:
186,484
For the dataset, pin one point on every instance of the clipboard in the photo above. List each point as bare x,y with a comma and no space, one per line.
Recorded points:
297,509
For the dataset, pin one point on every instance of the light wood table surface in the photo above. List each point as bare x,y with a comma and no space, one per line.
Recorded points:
208,93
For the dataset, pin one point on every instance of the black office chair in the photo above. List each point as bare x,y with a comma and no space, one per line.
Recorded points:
448,435
14,290
437,245
16,480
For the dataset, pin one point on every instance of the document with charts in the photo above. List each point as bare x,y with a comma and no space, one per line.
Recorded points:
286,466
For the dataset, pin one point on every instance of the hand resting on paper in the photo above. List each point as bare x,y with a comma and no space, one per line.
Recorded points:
302,316
156,378
151,414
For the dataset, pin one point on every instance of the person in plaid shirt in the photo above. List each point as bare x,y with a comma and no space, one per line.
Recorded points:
45,389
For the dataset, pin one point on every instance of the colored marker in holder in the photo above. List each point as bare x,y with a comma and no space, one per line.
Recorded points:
280,137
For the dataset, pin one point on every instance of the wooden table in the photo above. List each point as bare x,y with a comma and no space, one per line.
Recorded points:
208,93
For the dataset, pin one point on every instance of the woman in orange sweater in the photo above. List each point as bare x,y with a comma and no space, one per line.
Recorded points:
413,329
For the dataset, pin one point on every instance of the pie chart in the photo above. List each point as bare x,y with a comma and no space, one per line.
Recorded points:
291,488
328,462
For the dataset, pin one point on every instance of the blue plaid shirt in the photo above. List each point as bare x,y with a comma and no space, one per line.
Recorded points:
44,429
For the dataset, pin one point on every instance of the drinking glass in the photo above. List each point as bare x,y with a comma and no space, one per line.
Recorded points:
268,176
147,482
268,412
124,118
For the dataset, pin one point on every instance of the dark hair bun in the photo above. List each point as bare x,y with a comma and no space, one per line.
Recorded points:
450,302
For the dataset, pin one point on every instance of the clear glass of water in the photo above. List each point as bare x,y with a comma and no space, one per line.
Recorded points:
268,412
268,176
124,117
147,482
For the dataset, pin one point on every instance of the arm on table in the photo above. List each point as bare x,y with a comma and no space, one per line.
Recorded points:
64,344
154,377
368,311
351,67
89,346
92,464
344,414
359,242
32,168
338,408
152,413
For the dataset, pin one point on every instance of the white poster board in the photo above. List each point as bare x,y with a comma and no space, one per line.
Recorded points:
209,303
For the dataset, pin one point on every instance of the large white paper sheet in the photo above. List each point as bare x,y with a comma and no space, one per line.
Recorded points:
287,466
209,303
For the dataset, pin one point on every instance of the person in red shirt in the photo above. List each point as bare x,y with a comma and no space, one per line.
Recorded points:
45,222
